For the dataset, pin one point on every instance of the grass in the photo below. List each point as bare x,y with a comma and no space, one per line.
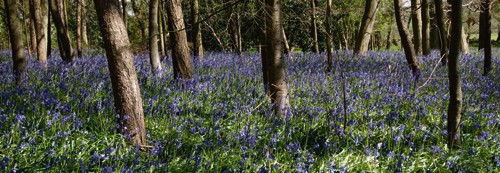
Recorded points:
61,119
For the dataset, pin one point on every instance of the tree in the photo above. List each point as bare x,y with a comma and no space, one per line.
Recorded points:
314,30
32,26
275,60
181,59
60,20
16,38
366,28
40,11
79,16
455,104
438,7
262,42
153,36
233,17
485,34
196,34
83,28
126,92
416,22
328,36
411,56
426,49
124,12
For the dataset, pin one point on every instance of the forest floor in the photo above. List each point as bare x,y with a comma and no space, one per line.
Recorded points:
61,119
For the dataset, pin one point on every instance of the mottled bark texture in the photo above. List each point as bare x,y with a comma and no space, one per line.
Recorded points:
41,22
426,48
180,51
443,43
411,56
16,38
126,92
154,56
196,34
416,23
79,7
59,17
366,28
275,59
485,34
84,23
455,104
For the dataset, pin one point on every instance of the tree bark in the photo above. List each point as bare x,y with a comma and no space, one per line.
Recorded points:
286,50
153,37
161,31
79,27
388,39
263,44
32,26
426,49
438,6
455,104
180,51
126,91
464,45
196,34
314,30
84,24
276,65
329,58
233,20
417,25
366,28
64,40
49,32
410,54
41,21
485,34
16,39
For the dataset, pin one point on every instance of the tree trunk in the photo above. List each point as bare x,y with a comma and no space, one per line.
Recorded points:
455,104
441,30
410,54
153,37
417,25
41,20
196,34
388,39
49,32
314,30
366,28
16,38
286,50
180,51
32,26
426,49
464,44
84,24
233,20
164,27
329,58
126,91
79,28
485,34
64,41
161,31
276,64
263,44
124,12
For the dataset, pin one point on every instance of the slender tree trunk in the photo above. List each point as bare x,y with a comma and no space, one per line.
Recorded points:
417,25
366,28
41,20
455,104
84,24
164,27
64,40
233,19
485,34
196,34
153,36
464,44
161,31
441,30
16,38
328,29
287,50
32,26
180,51
126,91
314,30
49,32
410,54
388,39
426,49
124,12
79,28
263,44
277,77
